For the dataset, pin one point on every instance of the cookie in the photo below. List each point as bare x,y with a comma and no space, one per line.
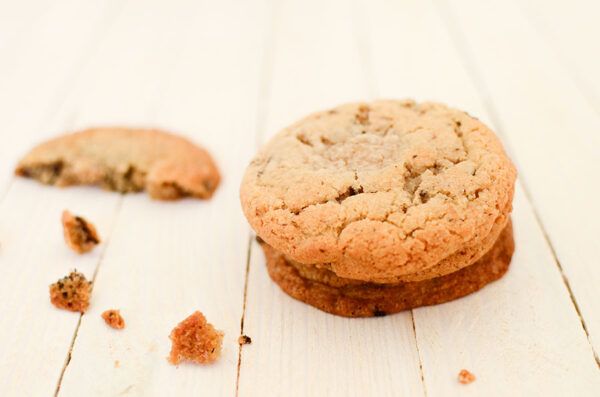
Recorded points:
466,256
381,192
124,160
352,298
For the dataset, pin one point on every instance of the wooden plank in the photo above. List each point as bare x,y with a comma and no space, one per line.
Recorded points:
36,336
571,29
296,349
552,132
16,18
305,61
35,76
168,259
520,335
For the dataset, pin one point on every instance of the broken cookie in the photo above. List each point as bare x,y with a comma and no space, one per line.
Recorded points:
113,319
124,160
80,235
194,339
71,292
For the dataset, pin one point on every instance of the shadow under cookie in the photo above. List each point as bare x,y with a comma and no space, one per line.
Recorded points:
352,298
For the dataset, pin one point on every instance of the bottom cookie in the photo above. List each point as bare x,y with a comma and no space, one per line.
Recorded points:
351,298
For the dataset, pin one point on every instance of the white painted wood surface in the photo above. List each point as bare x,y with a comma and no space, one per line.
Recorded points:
571,30
229,75
552,132
510,328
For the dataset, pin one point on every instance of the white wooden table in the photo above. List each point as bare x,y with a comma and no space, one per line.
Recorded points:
229,74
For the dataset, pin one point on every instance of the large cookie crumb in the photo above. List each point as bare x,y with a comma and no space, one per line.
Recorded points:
194,339
80,235
114,319
71,292
465,377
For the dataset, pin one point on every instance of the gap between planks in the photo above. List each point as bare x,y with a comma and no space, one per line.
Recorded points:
262,105
80,66
414,328
462,48
241,345
113,222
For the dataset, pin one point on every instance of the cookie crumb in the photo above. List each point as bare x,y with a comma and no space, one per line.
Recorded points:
194,339
71,292
114,319
244,340
465,377
80,235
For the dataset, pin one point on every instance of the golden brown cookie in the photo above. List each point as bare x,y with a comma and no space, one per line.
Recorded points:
124,160
352,298
382,191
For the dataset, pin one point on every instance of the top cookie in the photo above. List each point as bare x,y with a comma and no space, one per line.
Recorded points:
379,191
124,160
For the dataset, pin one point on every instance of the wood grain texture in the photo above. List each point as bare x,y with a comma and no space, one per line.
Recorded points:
37,73
167,260
571,30
551,130
519,336
296,349
18,18
522,339
36,336
32,253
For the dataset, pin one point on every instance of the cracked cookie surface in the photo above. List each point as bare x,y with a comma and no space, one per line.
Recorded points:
380,191
124,160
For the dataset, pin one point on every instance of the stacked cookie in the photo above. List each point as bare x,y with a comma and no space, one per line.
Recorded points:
371,209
